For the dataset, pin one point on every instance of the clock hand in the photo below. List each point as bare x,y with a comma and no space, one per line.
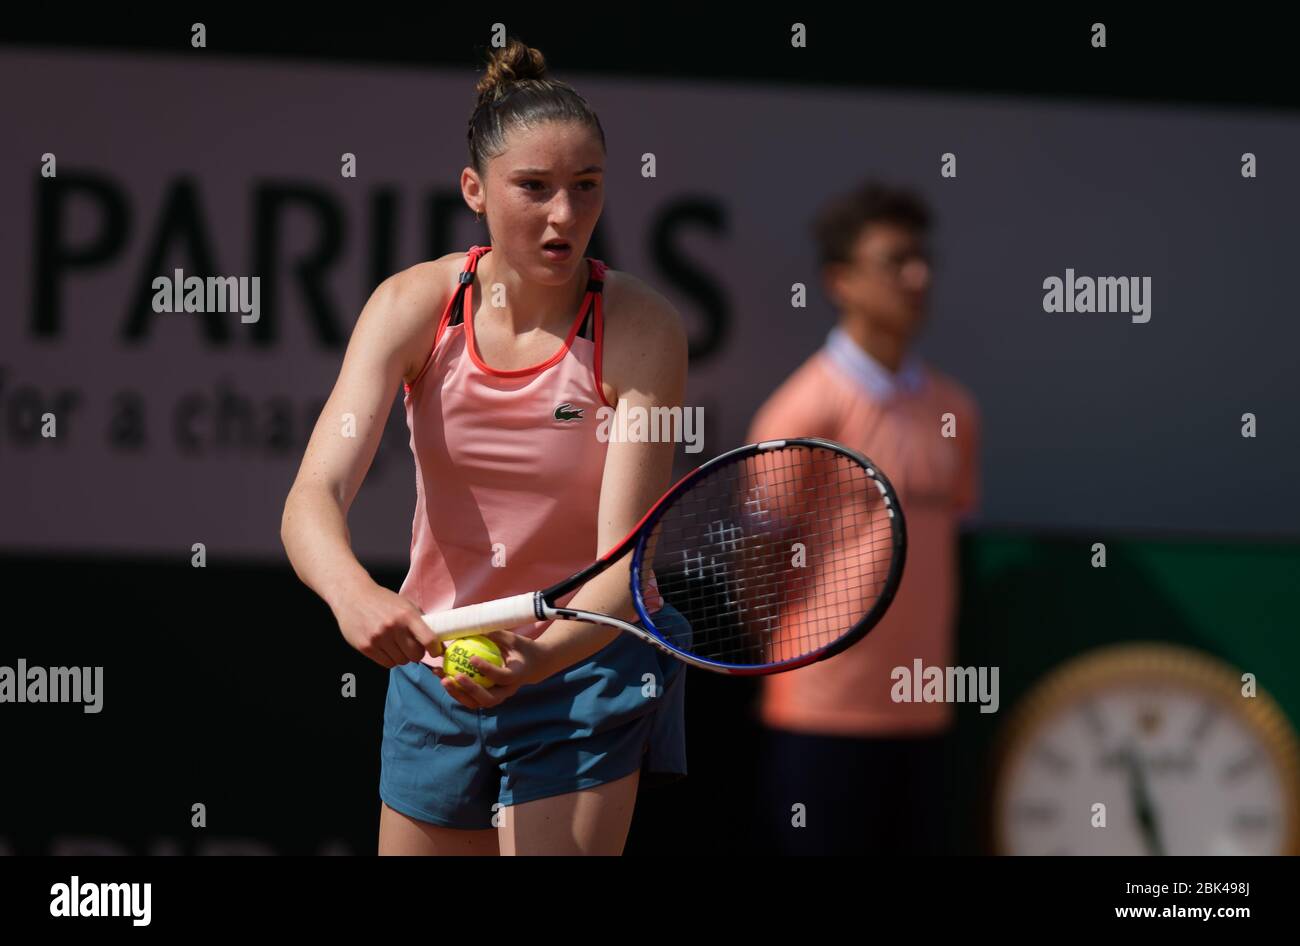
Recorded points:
1142,804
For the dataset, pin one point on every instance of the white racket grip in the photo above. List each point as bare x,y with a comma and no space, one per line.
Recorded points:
499,615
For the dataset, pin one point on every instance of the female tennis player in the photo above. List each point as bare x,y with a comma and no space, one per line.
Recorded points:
506,354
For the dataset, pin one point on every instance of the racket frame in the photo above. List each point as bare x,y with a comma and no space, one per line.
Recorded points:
854,634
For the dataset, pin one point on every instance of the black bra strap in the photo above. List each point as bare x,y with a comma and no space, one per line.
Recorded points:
458,309
588,330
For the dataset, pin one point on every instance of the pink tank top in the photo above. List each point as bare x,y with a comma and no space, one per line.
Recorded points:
508,466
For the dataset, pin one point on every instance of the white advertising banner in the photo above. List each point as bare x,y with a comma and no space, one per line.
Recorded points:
1125,414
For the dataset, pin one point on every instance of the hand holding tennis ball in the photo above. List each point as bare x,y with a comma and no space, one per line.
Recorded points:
456,655
515,661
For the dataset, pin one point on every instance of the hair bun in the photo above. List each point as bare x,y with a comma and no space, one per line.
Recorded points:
516,62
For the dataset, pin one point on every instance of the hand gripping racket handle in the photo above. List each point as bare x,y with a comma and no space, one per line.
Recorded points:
499,615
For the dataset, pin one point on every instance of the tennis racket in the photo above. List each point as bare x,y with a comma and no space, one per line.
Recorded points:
777,554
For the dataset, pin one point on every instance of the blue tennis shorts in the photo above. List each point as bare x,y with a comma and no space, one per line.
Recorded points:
621,710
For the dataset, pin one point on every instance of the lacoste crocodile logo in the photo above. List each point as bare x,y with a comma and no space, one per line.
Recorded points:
567,411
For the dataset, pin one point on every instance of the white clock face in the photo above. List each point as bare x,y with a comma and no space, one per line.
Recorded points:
1179,771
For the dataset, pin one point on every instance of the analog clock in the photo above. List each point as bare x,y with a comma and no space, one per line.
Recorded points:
1146,749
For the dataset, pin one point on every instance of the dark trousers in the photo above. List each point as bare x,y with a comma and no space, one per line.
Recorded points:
872,796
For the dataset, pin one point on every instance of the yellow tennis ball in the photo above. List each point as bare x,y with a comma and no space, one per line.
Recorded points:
455,658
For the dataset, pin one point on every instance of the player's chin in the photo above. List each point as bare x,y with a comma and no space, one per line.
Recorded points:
554,271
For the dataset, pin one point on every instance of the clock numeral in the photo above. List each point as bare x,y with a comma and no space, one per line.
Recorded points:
1252,822
1246,763
1092,716
1209,715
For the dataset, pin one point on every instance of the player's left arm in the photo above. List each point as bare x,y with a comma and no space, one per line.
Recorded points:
645,356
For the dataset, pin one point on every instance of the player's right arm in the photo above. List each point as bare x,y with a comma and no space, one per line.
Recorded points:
389,343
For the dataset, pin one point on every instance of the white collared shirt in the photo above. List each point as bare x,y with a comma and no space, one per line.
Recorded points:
878,380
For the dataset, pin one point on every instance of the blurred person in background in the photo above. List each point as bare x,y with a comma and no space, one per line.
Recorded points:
869,770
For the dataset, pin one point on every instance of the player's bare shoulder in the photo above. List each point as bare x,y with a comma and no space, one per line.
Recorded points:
635,310
414,299
645,337
429,277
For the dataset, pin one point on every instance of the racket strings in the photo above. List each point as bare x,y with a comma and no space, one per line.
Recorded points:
773,557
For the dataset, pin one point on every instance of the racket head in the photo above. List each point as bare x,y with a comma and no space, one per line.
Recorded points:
778,554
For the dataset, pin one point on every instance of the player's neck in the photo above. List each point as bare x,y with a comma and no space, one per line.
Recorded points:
528,306
887,348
